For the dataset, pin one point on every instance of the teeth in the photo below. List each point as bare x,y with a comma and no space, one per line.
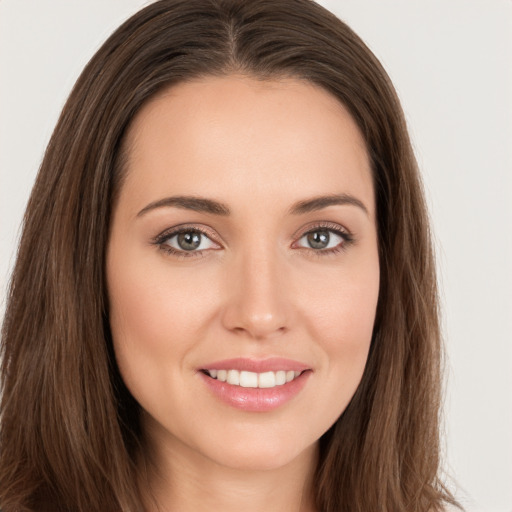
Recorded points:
248,379
267,380
233,377
280,378
252,379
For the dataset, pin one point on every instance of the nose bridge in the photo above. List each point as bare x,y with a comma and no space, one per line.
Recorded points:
257,303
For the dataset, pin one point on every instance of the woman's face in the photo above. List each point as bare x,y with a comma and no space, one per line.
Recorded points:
243,247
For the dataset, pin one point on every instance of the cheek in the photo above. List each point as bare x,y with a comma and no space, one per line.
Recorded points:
342,310
153,305
155,317
341,320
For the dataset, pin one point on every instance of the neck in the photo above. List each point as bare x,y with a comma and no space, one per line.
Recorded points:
183,479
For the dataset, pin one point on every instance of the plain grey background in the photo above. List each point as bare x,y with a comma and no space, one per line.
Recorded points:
451,62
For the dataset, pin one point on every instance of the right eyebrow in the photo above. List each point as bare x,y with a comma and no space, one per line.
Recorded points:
198,204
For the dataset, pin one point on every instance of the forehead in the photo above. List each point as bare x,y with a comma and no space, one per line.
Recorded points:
235,136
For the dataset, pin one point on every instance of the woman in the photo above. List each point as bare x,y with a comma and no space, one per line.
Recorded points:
225,293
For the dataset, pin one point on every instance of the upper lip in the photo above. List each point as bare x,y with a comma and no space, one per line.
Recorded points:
272,364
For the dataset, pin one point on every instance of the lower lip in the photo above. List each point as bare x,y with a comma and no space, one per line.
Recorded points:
256,399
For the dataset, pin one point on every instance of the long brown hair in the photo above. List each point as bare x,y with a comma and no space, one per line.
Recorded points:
69,434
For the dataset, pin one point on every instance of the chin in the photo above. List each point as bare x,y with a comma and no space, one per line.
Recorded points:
262,456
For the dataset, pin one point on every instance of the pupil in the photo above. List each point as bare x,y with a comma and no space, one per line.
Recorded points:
189,241
318,239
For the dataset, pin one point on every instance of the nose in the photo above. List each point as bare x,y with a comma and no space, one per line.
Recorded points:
257,304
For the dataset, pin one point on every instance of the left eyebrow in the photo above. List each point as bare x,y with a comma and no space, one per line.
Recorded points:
320,202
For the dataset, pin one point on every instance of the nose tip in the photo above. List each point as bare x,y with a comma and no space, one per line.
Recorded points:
259,326
257,304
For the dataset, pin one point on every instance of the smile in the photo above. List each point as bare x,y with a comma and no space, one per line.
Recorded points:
247,379
255,385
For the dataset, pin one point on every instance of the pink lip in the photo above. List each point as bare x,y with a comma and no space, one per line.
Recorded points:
256,399
273,364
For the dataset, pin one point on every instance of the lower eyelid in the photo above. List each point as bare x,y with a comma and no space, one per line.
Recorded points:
181,254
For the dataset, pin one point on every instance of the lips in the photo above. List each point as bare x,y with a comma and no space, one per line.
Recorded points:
255,386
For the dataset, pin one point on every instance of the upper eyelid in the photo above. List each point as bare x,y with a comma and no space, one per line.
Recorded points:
314,226
182,228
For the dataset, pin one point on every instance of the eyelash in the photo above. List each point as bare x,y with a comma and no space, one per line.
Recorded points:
162,239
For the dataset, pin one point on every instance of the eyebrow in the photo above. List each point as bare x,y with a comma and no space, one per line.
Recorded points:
202,204
320,202
197,204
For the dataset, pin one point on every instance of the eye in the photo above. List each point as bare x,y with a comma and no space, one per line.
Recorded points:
185,242
190,241
323,239
320,239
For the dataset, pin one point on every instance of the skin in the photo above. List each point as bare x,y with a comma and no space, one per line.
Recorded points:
255,289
